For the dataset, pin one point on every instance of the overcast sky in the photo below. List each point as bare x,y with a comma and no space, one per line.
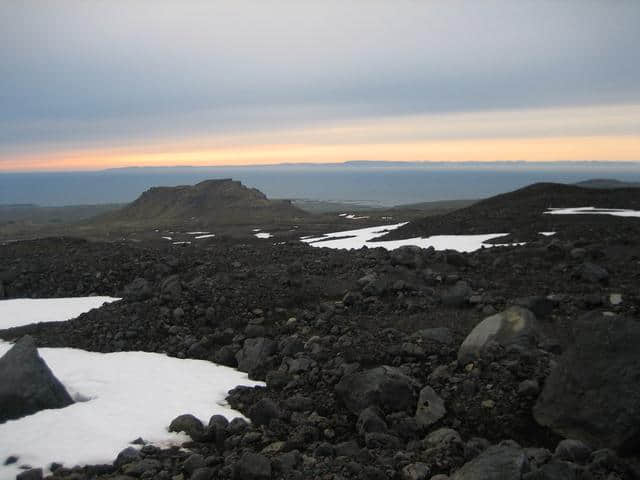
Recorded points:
115,79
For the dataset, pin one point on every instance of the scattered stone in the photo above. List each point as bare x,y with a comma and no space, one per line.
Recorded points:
255,353
457,295
252,466
32,474
495,463
416,471
430,407
188,424
384,387
573,451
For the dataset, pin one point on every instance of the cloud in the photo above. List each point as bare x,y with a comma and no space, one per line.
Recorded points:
79,73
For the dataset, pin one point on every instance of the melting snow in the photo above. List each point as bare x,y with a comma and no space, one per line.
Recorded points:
131,395
263,235
25,311
618,212
167,238
547,234
211,235
197,233
181,243
355,239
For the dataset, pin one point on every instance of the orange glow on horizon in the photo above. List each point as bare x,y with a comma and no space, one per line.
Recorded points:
543,149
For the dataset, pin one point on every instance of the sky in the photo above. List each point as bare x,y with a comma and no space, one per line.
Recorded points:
96,84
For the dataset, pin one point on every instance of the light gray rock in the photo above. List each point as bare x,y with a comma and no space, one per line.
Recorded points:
514,326
495,463
415,471
430,407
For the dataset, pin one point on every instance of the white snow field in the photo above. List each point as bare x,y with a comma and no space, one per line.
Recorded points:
617,212
263,235
355,239
131,395
25,311
128,395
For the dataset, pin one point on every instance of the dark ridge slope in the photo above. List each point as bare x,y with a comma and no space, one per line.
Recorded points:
521,213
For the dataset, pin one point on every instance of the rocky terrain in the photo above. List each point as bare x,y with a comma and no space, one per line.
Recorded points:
516,362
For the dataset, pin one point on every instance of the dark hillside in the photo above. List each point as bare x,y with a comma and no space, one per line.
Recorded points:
521,213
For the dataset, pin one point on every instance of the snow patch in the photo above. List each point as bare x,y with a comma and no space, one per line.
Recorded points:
197,233
168,238
25,311
121,396
617,212
181,243
547,234
210,235
263,235
131,395
355,239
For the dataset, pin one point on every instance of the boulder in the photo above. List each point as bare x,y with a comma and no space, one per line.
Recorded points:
254,353
430,407
265,410
514,326
499,462
31,474
385,387
188,424
27,385
593,394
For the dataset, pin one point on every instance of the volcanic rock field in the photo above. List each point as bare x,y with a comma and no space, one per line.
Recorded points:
508,362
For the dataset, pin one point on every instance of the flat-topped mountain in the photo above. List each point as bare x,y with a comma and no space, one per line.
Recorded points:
211,202
524,213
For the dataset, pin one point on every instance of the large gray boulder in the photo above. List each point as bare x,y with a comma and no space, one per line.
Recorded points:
514,326
27,385
499,462
593,393
254,353
384,387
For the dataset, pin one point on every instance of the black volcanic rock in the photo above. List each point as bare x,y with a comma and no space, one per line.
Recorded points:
593,394
521,214
208,203
384,387
27,385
